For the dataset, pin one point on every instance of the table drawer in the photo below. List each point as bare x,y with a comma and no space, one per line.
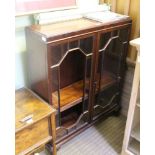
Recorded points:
31,135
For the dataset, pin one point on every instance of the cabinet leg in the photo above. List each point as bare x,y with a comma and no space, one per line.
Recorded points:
117,111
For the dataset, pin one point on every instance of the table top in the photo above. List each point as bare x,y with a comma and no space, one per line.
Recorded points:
29,108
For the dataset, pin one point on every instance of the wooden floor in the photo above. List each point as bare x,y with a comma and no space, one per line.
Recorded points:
104,138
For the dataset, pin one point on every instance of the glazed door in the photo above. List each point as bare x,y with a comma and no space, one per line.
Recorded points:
110,70
70,75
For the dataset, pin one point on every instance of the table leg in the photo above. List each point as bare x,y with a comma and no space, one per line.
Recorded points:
53,126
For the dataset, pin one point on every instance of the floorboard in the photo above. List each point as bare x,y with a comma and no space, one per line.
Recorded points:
104,138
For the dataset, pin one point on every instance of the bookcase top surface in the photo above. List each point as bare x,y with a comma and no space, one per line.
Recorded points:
65,27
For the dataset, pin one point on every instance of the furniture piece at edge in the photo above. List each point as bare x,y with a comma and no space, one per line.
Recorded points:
35,123
78,66
131,143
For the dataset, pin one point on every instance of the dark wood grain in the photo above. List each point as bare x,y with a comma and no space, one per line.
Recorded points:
37,72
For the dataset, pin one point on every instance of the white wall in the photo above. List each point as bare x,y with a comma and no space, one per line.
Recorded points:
20,53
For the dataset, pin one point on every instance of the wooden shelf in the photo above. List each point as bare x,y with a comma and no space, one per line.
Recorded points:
134,147
73,94
107,80
136,132
70,123
69,96
69,120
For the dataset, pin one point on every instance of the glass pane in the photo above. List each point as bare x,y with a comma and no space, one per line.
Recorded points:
74,78
123,34
64,49
105,99
55,87
112,56
86,45
72,68
88,72
108,72
114,33
109,64
57,52
71,77
104,39
73,44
